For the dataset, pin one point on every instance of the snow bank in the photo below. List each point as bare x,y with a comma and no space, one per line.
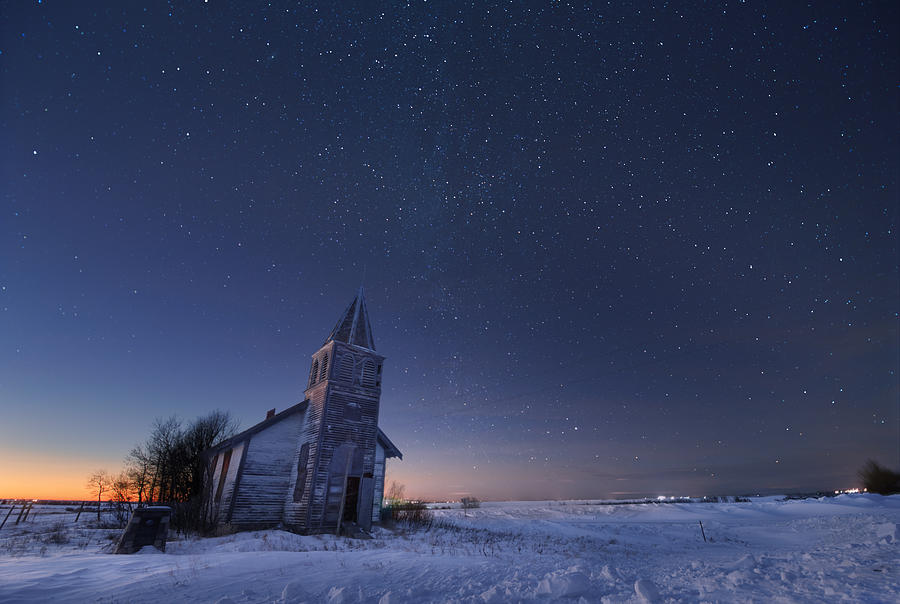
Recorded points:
842,548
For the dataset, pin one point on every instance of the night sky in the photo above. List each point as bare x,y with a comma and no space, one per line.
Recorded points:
608,251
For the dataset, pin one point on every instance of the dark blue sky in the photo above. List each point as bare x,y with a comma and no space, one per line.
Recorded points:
607,250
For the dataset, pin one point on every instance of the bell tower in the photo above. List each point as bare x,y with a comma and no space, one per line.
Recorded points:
336,460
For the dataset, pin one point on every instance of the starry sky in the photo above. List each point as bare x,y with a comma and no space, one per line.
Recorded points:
608,250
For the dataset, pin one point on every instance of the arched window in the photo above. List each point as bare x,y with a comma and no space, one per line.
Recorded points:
314,374
324,373
345,369
368,373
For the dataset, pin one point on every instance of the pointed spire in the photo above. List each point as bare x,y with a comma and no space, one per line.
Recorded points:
353,327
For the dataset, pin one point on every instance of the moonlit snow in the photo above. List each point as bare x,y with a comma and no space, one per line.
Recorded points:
831,549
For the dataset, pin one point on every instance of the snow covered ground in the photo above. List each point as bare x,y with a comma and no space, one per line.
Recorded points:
836,549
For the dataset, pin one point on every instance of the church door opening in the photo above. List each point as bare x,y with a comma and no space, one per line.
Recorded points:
351,500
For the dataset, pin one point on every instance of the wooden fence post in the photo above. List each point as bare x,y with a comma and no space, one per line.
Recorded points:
19,517
8,514
28,511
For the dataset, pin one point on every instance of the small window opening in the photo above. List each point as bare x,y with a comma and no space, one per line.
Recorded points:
346,368
368,373
314,374
301,473
324,373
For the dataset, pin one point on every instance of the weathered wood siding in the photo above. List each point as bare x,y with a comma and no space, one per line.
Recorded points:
350,416
343,409
266,474
379,482
221,507
296,513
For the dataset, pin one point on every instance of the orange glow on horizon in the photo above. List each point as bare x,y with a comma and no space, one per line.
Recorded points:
45,477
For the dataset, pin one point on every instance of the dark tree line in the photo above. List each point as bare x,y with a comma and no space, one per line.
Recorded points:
879,479
169,468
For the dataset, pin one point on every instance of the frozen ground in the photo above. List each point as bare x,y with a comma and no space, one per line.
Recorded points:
837,549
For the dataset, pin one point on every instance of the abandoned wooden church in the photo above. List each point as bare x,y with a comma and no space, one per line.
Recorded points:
319,464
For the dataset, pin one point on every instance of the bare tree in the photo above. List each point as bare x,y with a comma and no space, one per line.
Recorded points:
139,467
395,494
879,479
161,448
202,434
121,488
469,503
170,467
99,481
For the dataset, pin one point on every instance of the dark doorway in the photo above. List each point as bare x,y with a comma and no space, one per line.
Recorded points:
351,499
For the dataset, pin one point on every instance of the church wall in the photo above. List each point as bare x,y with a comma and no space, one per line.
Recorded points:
266,474
378,496
296,513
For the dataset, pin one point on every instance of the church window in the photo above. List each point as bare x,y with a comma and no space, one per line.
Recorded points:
226,461
378,376
345,370
324,367
368,373
314,374
301,472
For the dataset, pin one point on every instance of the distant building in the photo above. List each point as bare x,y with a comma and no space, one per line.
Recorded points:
322,459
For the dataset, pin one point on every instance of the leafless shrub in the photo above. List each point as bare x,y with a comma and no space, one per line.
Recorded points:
223,530
415,515
58,534
394,494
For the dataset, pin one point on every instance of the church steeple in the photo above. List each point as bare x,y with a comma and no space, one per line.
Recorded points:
353,327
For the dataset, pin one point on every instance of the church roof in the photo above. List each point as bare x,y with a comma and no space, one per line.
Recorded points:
241,436
390,449
353,327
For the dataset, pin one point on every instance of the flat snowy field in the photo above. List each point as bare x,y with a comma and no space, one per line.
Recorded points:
835,549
